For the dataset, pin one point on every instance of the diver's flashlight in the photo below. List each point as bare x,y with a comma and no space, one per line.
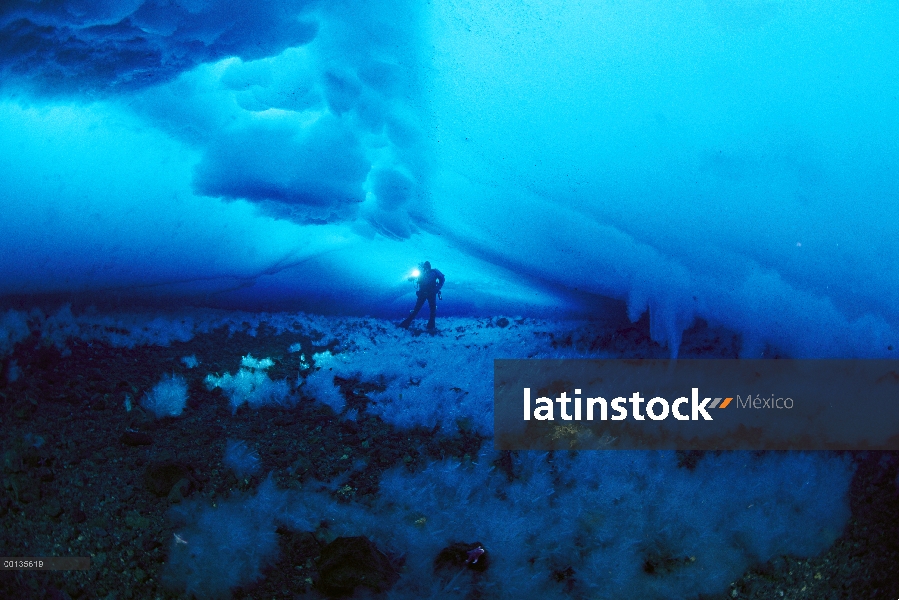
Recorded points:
415,273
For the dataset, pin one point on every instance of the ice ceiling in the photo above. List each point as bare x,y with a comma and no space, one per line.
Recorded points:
734,160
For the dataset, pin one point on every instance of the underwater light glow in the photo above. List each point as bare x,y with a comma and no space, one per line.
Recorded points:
667,155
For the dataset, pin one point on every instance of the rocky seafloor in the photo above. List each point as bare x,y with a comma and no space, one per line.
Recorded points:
88,471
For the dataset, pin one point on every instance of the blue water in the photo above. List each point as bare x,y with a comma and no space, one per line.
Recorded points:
665,170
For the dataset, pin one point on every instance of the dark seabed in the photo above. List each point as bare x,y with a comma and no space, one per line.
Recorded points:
321,447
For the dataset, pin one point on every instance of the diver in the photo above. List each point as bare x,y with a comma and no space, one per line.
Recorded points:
429,283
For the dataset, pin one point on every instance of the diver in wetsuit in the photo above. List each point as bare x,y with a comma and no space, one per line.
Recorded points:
429,283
